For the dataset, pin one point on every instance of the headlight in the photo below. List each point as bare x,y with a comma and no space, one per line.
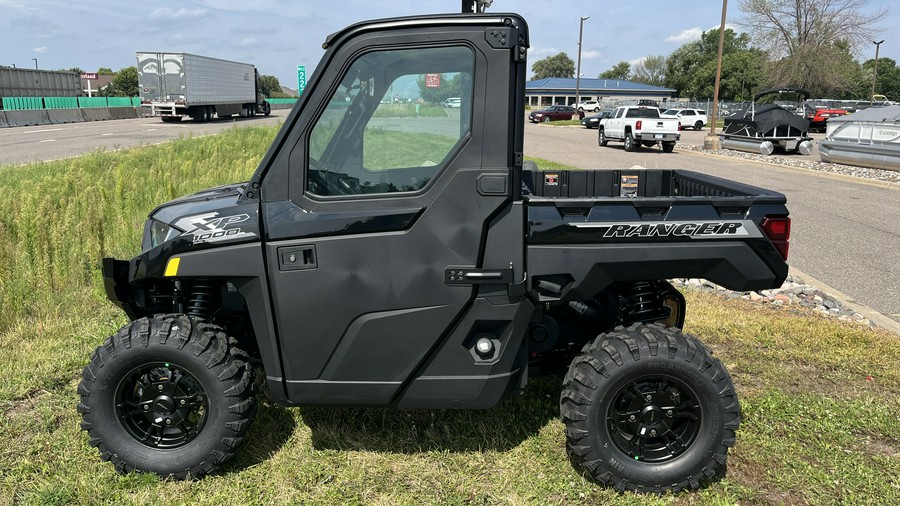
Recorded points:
156,233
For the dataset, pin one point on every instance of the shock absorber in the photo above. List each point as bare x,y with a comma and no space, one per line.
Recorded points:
203,299
643,303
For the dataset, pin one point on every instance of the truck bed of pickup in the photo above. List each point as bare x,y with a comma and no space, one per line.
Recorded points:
588,224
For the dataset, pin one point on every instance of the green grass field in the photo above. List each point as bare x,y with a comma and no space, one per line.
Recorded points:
821,399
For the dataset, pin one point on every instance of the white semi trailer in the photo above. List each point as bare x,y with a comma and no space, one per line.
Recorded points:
175,85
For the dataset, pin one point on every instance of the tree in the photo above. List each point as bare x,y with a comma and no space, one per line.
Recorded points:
269,85
691,69
651,70
105,71
125,84
559,65
76,70
812,43
887,83
620,70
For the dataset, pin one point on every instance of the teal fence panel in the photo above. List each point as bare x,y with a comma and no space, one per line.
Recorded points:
136,101
92,102
61,102
281,100
22,103
119,102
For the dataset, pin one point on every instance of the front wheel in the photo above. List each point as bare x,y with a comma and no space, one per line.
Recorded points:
546,119
601,138
168,395
648,408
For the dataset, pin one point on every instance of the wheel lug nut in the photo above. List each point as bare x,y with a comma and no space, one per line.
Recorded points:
632,418
159,387
648,397
669,413
146,407
169,422
182,402
653,433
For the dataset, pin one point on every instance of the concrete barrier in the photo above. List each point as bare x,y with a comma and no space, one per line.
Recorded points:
96,114
27,118
3,122
57,116
122,112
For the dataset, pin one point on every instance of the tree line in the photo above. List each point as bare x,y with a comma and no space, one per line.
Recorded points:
809,44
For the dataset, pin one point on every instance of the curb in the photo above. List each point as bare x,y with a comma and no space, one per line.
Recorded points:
880,320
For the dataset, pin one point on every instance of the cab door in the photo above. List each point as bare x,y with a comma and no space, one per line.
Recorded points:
389,196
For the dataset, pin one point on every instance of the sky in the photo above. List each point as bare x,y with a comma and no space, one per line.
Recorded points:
276,36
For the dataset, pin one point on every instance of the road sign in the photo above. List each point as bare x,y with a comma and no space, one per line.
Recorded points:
301,78
432,80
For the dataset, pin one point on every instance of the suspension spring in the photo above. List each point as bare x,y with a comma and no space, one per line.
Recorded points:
644,304
203,299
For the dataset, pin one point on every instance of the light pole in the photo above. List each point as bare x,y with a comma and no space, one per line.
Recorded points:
875,71
35,63
578,70
712,142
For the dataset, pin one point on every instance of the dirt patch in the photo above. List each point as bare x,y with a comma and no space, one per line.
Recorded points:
754,474
874,445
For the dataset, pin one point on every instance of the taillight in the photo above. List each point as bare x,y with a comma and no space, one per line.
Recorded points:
637,125
778,230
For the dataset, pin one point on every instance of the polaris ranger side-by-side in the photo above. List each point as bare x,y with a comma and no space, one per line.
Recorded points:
382,258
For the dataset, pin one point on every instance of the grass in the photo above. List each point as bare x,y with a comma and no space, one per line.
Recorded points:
820,397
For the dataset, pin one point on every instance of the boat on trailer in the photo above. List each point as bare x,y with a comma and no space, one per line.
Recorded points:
867,138
767,127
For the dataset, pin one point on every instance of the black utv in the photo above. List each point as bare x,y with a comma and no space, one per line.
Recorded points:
383,257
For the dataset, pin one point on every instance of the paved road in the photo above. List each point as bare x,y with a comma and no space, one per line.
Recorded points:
50,142
846,231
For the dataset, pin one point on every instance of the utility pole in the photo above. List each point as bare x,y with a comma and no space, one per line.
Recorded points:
712,141
578,70
35,63
875,71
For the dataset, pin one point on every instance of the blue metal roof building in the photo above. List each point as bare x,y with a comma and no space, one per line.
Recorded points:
561,90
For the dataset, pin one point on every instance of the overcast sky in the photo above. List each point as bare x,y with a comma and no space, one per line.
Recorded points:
276,36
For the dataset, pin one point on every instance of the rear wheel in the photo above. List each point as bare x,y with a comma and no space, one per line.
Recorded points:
630,145
601,138
596,109
698,125
168,395
668,147
648,409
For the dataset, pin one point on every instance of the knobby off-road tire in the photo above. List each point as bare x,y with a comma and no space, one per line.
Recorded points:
648,409
169,395
601,138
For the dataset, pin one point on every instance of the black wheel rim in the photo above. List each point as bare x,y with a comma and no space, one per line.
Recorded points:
161,405
654,419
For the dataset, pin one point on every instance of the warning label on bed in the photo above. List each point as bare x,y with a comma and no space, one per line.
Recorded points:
628,186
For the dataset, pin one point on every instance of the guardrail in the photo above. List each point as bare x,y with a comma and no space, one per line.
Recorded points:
35,103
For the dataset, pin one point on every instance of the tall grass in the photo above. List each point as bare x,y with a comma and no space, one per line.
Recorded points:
58,219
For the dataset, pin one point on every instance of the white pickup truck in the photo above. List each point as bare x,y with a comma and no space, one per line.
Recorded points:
639,125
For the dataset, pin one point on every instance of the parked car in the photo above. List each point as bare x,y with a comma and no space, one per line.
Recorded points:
588,105
452,102
638,126
552,113
594,121
689,118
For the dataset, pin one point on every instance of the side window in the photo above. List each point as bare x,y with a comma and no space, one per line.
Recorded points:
393,122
